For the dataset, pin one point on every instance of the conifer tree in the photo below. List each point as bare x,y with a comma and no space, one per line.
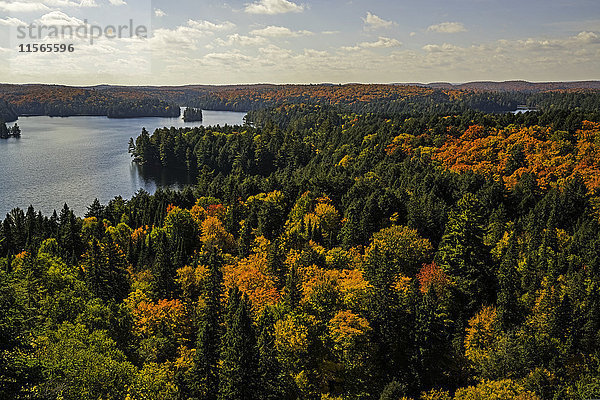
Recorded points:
238,373
464,256
202,381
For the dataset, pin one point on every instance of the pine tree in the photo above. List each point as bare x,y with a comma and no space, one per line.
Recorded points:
4,132
16,131
95,210
238,373
292,292
115,267
464,256
271,376
509,312
162,269
202,380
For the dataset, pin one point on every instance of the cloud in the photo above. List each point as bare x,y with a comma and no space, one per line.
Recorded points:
587,37
447,27
278,31
241,40
22,7
185,38
210,26
373,22
436,48
117,2
70,3
381,43
159,13
9,21
59,18
272,7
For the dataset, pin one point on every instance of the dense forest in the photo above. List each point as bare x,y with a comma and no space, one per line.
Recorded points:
7,113
117,101
64,101
323,254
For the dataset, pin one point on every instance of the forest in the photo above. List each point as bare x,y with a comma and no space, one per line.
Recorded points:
436,99
7,113
324,253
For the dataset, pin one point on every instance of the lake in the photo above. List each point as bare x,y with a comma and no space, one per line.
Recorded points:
74,160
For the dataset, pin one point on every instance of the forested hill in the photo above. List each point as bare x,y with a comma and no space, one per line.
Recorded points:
518,86
323,254
7,113
117,101
61,101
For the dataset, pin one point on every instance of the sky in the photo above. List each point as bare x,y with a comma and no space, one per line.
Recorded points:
301,41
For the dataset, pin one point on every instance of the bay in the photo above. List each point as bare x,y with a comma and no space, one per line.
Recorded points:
74,160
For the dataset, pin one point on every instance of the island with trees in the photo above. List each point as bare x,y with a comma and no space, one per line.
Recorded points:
8,132
192,114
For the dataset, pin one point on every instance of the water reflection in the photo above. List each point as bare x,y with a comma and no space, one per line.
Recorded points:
77,159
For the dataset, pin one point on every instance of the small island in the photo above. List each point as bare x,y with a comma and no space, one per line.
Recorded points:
192,114
6,132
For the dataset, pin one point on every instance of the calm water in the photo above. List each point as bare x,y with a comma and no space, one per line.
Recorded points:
77,159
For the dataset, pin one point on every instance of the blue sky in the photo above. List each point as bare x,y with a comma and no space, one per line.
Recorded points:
289,41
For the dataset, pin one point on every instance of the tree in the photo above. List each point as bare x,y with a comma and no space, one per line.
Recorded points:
202,380
273,382
81,364
238,373
162,268
465,257
509,310
95,210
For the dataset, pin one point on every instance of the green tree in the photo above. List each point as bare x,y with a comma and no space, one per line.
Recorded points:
238,373
465,257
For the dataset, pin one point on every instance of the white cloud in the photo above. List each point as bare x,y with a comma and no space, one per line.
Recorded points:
278,31
587,37
22,7
159,13
185,38
70,3
447,27
381,43
240,40
436,48
373,22
10,21
210,26
117,2
59,18
272,7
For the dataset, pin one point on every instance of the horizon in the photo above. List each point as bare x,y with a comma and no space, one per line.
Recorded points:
310,84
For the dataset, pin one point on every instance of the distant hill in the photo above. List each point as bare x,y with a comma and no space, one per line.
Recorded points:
516,86
438,97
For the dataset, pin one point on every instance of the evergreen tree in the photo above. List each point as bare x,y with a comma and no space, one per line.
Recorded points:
4,132
95,210
202,380
162,268
465,257
272,379
292,292
238,373
509,312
